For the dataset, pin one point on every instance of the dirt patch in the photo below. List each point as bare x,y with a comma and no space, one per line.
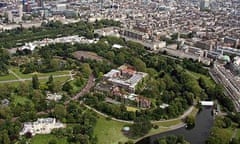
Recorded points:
81,55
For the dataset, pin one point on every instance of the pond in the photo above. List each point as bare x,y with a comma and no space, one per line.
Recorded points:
197,135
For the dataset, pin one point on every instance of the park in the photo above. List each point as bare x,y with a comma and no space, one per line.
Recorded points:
166,90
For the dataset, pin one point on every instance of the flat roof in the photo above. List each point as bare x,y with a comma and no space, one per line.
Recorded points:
207,103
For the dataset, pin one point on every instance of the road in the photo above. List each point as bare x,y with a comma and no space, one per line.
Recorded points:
85,90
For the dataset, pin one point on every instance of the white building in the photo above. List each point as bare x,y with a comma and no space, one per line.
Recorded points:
41,126
207,103
117,46
28,46
125,77
55,97
164,105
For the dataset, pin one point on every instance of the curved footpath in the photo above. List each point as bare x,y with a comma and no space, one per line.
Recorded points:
186,113
91,83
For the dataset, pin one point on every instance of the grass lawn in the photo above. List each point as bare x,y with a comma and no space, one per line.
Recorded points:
58,81
129,108
237,133
157,131
230,130
16,71
21,100
44,139
76,88
20,74
194,112
109,131
53,73
168,123
7,77
13,84
163,127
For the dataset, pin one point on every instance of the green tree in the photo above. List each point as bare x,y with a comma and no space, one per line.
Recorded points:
67,87
79,81
24,89
120,58
110,55
52,141
190,121
139,64
35,82
227,122
162,141
50,84
235,141
219,136
5,137
85,69
4,60
60,111
5,113
54,64
141,126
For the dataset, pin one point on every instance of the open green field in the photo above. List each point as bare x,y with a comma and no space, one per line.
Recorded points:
21,100
58,81
156,131
20,74
162,127
43,77
133,109
237,133
168,123
230,130
8,77
76,88
53,73
44,139
109,131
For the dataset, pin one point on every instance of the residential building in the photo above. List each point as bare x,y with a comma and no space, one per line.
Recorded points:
41,126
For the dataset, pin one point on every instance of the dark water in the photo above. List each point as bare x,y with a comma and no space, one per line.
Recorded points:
197,135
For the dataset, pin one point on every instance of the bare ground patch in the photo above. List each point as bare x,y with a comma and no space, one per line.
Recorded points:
81,55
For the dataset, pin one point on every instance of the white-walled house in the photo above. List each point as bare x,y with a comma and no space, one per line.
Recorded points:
41,126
